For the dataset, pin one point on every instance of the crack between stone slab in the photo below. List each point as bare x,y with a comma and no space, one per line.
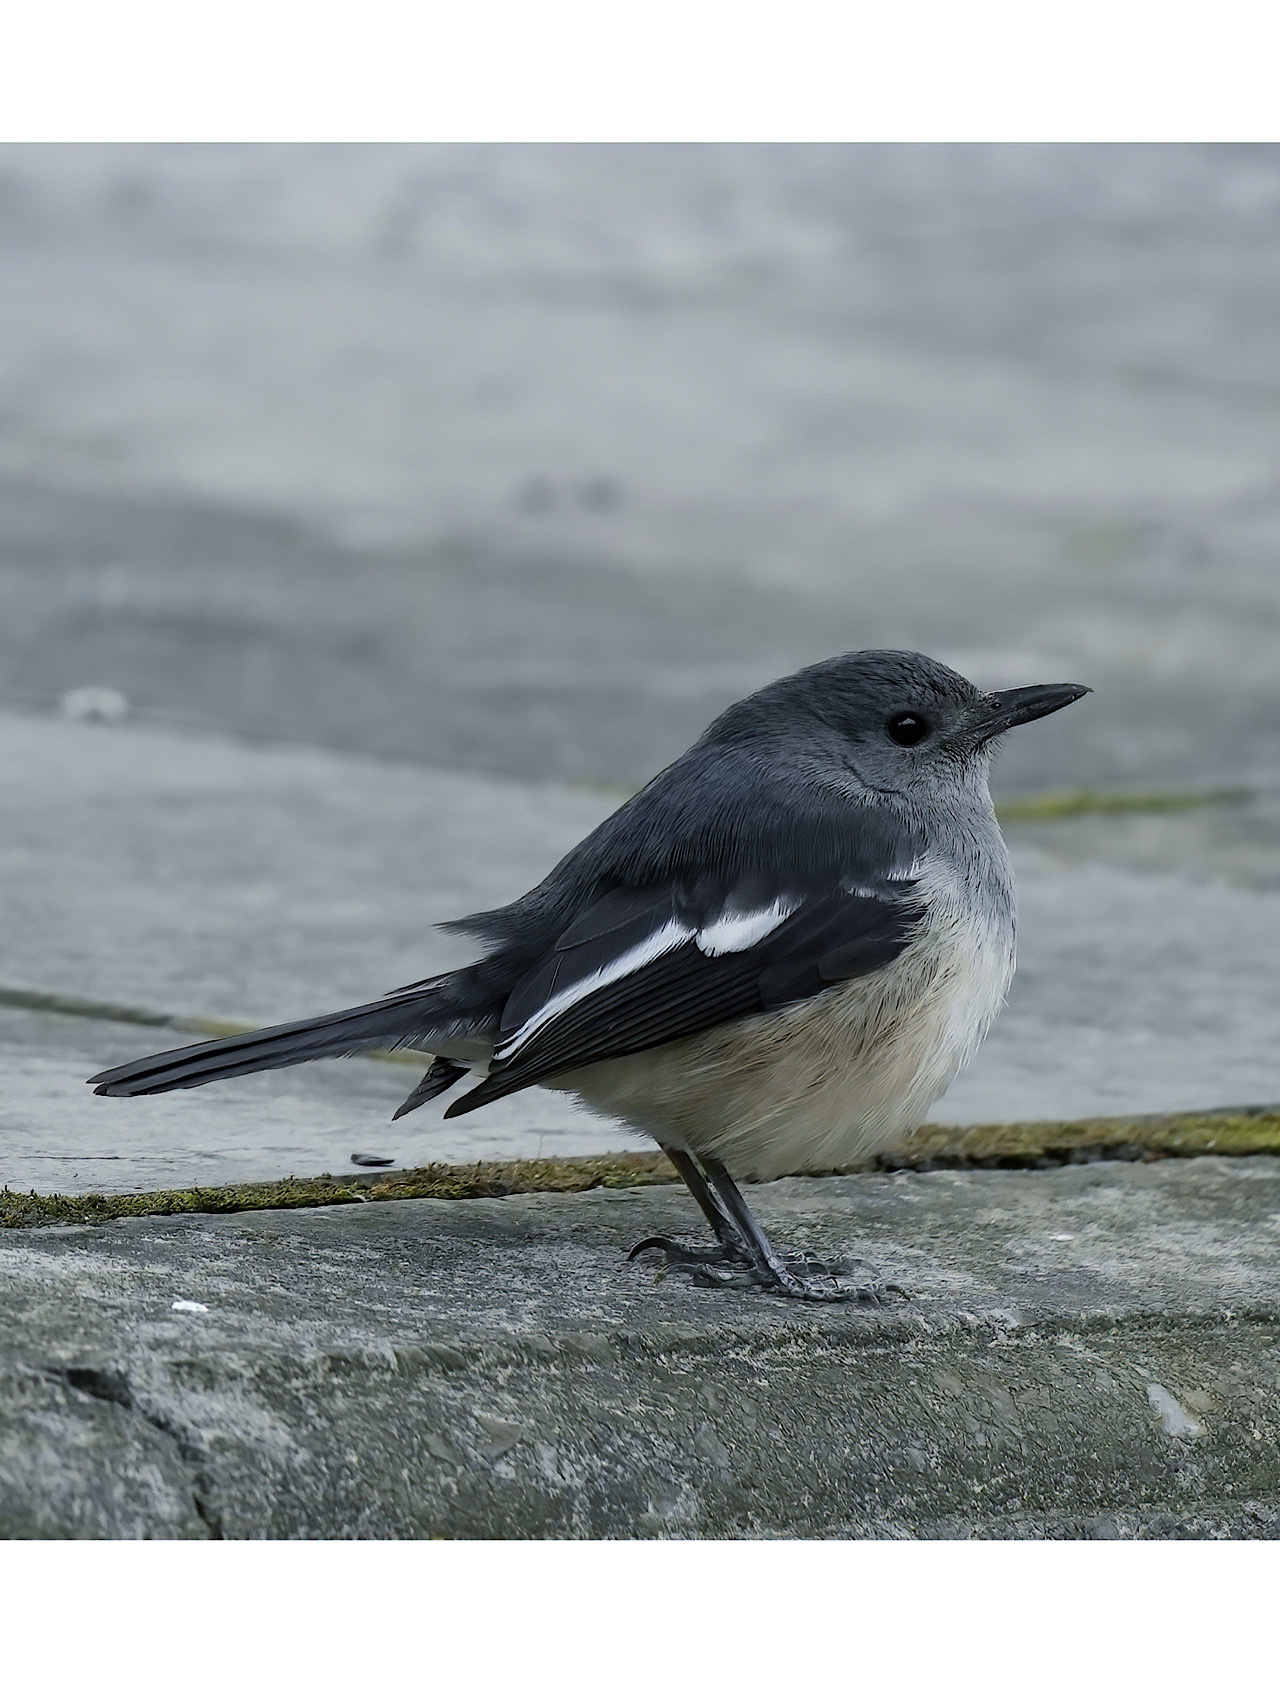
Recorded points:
200,1025
1163,1139
112,1386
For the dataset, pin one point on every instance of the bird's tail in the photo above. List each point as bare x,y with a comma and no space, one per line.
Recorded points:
446,1007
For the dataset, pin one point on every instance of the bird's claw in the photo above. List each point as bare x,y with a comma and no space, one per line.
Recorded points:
682,1254
803,1276
721,1266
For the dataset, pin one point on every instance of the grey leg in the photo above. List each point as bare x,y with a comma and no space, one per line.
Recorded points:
798,1276
730,1245
744,1246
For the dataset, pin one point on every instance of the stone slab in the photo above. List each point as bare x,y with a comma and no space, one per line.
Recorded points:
56,1137
1085,1352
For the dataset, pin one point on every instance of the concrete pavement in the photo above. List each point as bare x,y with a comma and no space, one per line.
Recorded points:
1089,1352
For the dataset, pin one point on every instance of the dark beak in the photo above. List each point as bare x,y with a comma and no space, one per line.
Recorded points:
1024,705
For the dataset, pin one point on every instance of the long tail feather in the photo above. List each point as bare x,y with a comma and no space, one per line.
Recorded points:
416,1019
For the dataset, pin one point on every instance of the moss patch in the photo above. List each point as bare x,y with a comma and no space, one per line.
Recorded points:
75,1007
1216,1131
1048,808
1249,1131
483,1179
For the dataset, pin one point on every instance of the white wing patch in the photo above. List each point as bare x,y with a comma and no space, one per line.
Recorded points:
671,935
734,932
731,933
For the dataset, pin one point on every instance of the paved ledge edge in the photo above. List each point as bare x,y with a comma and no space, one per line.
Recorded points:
1217,1131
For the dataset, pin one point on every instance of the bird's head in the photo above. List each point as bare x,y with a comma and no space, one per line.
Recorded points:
885,722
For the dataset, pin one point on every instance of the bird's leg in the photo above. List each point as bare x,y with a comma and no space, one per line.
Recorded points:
731,1246
798,1276
727,1235
744,1245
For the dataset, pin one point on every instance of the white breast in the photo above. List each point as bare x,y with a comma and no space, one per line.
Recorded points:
827,1082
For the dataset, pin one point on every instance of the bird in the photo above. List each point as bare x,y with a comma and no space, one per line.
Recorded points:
773,958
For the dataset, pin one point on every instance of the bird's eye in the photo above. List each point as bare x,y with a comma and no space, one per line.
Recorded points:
907,729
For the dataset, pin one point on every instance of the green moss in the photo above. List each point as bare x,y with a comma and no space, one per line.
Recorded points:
40,1001
483,1179
1046,808
1041,1143
1223,1131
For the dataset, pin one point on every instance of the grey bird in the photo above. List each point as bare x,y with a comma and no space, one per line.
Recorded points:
773,958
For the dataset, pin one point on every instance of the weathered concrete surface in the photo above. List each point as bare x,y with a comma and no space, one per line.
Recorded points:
1087,1352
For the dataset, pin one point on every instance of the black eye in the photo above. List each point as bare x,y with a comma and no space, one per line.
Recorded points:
907,729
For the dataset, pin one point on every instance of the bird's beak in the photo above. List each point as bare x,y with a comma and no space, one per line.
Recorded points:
1023,705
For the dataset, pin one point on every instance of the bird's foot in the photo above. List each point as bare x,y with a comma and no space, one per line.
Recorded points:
721,1265
805,1276
814,1280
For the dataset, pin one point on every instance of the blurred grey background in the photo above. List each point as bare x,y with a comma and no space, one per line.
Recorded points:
528,459
490,474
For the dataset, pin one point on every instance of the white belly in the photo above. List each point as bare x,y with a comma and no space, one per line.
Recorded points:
827,1082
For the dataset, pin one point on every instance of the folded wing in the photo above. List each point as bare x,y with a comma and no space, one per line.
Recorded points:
641,967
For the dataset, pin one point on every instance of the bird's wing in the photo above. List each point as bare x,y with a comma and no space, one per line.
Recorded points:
642,967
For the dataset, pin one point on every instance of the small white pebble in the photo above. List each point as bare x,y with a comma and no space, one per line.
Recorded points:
1172,1417
94,705
188,1307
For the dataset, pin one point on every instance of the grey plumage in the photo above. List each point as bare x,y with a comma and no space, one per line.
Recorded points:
775,955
